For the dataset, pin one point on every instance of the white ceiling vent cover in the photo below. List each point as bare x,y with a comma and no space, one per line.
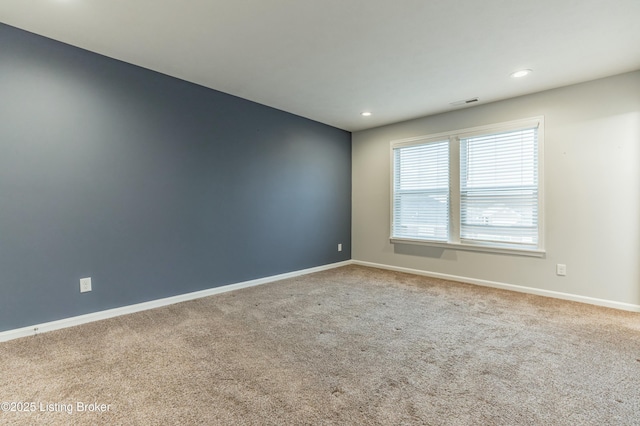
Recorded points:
464,102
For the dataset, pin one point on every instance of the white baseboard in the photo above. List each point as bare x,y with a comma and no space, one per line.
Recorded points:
521,289
96,316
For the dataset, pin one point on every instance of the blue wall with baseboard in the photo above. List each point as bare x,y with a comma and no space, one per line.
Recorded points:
151,185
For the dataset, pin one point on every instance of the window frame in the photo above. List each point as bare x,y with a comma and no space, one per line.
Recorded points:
454,242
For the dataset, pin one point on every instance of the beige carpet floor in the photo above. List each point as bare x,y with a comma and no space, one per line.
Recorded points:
348,346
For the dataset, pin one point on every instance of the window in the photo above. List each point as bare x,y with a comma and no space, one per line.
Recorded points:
421,192
474,189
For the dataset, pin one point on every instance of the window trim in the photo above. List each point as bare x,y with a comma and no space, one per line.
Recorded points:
454,242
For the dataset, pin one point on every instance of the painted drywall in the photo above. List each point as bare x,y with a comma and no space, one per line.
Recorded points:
592,192
150,185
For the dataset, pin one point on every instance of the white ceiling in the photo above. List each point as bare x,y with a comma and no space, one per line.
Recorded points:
329,60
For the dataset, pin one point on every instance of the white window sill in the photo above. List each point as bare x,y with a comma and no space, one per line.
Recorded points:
500,249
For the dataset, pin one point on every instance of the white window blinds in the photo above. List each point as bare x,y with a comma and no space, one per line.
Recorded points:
499,187
421,191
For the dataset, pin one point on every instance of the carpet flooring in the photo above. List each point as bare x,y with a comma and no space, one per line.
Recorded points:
348,346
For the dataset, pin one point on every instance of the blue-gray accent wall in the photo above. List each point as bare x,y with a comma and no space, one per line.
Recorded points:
151,185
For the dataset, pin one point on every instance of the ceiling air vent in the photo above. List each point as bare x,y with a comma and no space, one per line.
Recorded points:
464,102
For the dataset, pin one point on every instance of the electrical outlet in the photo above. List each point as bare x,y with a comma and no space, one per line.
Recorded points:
561,269
85,284
339,247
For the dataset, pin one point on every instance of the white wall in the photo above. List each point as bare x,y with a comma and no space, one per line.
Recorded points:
592,193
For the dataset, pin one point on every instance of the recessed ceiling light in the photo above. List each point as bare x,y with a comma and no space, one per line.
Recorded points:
365,114
520,73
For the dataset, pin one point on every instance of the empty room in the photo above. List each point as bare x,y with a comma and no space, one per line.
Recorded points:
278,212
